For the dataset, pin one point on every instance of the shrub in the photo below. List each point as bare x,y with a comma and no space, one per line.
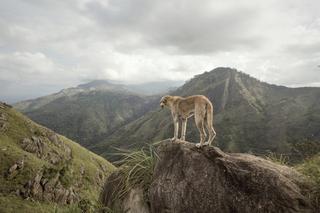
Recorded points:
277,158
135,171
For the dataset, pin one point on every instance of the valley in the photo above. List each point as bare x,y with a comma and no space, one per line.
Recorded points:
249,115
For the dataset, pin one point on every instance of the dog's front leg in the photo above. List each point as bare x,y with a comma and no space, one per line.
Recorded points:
183,129
176,128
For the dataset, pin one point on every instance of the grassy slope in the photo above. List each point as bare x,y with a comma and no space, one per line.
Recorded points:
311,168
19,127
14,204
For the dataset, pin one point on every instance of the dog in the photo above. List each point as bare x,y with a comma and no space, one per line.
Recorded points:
184,107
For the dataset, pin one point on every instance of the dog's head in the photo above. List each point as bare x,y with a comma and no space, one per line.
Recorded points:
165,101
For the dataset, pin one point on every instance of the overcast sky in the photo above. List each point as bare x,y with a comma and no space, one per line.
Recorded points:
49,45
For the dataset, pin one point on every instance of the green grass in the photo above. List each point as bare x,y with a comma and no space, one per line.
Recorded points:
14,204
278,158
311,169
96,168
135,171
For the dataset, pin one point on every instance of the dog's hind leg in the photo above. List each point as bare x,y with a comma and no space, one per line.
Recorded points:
183,129
199,119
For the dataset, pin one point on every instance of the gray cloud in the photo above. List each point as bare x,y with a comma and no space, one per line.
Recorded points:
47,45
184,27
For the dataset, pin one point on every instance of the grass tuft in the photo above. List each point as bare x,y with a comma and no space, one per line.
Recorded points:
278,158
135,171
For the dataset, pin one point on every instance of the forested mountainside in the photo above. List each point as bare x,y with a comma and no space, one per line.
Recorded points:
89,112
249,116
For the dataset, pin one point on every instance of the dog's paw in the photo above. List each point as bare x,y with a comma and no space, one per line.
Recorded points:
198,145
206,144
173,139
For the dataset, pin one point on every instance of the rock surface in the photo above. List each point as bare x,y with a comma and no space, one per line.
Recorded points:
188,179
131,202
48,190
13,170
134,203
39,146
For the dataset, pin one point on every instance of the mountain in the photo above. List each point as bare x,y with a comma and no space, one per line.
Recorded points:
156,87
249,116
89,112
142,89
97,85
41,171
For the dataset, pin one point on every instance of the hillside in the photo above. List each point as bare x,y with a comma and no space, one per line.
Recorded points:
89,112
142,89
42,171
250,116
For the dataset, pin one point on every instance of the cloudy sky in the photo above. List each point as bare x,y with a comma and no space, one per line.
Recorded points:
47,45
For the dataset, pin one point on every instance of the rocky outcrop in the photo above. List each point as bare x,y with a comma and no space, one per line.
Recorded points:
4,105
34,145
42,188
43,150
191,179
15,168
47,146
54,139
188,179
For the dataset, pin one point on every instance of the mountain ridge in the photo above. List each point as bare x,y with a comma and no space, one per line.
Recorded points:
250,115
143,89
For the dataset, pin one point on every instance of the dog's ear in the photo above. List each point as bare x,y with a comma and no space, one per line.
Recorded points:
164,99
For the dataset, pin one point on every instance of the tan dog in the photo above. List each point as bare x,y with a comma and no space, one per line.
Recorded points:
183,108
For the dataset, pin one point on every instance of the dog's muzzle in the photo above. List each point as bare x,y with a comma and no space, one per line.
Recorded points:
161,105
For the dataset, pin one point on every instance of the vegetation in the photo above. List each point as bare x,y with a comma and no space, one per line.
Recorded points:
311,168
14,204
79,169
250,116
86,116
277,158
135,171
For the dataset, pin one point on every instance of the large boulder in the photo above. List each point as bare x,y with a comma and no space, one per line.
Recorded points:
188,179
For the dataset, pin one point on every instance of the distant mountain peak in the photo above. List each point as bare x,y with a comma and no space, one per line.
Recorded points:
95,83
101,85
224,69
